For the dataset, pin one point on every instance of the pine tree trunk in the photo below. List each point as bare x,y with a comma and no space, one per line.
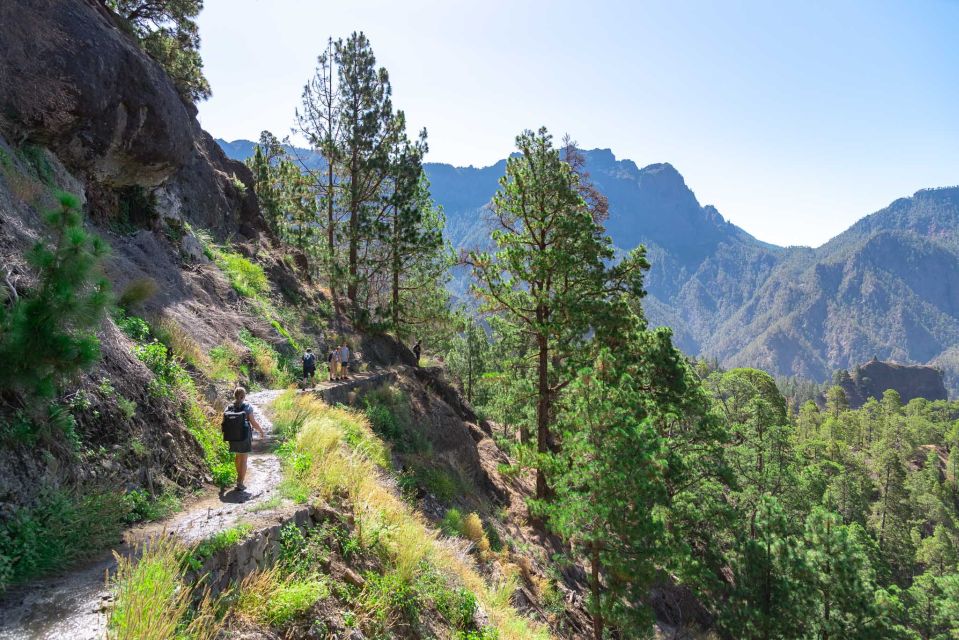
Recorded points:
351,285
395,285
595,592
542,413
331,235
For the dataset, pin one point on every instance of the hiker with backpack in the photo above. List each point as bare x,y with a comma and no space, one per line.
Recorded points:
237,420
333,360
309,365
344,362
416,352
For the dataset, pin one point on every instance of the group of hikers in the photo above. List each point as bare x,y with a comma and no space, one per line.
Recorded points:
239,421
338,361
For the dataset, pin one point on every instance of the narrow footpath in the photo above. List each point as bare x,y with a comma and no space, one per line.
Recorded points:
73,605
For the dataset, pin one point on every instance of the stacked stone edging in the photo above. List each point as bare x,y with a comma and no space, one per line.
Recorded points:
347,391
259,550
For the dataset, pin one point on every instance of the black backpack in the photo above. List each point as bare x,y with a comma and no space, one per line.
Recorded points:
234,424
309,359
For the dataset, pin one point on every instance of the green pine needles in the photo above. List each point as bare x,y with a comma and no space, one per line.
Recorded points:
48,334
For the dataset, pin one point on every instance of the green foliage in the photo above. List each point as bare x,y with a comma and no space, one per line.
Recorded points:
246,278
452,522
35,157
544,227
173,382
142,507
48,334
56,530
168,32
268,363
217,542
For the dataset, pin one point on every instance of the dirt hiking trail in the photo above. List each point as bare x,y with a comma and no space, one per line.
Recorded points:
73,605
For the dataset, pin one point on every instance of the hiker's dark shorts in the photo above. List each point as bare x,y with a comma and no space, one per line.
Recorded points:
309,371
245,445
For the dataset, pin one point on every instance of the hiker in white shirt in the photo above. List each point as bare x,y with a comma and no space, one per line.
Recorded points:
344,362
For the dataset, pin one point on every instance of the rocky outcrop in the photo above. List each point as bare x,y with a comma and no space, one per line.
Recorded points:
73,81
875,377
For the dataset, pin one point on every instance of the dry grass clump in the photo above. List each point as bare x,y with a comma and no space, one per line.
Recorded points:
337,452
151,601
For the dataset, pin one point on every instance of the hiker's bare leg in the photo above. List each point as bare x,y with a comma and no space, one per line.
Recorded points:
240,467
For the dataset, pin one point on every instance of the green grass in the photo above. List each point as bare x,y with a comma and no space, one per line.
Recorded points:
224,363
246,278
142,507
57,530
172,381
340,455
266,505
268,363
152,602
217,542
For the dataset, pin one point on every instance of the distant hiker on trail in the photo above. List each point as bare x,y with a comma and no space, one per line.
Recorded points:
344,362
309,365
332,361
237,418
416,352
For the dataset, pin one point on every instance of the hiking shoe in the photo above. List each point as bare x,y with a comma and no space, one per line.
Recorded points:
240,486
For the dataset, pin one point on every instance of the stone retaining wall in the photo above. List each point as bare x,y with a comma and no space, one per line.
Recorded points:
348,391
259,550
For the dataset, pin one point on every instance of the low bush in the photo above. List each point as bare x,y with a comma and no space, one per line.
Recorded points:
217,542
141,506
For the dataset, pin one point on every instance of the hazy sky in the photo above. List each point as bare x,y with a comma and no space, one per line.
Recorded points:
793,119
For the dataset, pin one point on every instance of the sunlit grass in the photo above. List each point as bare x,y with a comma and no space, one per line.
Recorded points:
151,601
344,457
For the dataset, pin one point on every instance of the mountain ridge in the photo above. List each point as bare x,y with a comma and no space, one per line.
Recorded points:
796,310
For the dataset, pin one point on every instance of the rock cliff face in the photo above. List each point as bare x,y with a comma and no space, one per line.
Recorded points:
72,81
80,100
875,377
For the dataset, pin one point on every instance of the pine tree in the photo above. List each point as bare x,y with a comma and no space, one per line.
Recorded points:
370,133
843,582
167,30
320,120
549,273
48,334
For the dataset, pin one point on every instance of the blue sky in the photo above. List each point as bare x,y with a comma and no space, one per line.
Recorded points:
793,118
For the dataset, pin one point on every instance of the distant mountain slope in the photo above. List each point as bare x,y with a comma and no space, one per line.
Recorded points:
887,287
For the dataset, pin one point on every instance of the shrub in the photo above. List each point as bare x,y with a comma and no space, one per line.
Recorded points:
135,328
224,363
141,506
452,523
49,334
217,542
179,342
266,360
277,599
58,529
